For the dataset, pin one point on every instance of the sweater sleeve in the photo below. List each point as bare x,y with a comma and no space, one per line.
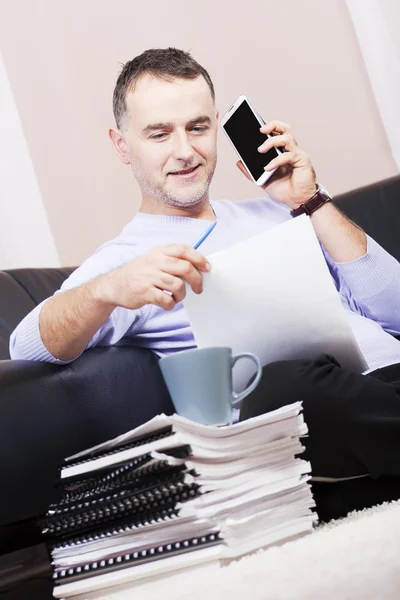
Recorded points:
26,342
371,285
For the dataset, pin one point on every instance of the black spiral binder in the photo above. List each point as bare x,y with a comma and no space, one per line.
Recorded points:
130,559
90,478
124,475
103,495
123,526
138,441
87,481
128,480
131,505
111,505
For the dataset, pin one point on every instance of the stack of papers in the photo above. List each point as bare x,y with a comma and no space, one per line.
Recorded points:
172,494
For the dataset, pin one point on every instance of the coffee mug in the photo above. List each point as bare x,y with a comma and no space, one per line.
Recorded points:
200,383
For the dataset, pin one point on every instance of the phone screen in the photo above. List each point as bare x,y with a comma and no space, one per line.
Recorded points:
244,130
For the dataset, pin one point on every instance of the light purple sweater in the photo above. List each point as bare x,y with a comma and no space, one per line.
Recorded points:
369,286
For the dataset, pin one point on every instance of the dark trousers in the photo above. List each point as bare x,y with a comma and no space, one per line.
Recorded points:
354,428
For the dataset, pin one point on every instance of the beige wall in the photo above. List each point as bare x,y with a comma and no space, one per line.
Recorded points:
26,239
297,60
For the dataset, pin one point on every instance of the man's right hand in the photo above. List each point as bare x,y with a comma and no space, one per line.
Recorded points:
146,279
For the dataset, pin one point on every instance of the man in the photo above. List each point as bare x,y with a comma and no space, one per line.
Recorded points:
166,131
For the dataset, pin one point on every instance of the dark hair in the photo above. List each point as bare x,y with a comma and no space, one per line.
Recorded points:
164,63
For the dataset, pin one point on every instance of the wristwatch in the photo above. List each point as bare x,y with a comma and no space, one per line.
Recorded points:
320,198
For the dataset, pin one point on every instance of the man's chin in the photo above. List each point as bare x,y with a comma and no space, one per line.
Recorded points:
182,200
185,203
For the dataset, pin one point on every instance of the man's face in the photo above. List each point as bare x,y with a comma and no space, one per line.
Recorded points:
171,136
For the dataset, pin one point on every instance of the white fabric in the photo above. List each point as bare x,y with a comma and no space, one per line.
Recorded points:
351,559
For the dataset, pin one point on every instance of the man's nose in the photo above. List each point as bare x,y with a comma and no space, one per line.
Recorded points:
182,149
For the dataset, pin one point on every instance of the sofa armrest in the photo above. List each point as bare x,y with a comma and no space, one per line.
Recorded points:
375,208
48,412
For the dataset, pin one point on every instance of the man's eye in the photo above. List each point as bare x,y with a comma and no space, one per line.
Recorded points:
158,136
199,129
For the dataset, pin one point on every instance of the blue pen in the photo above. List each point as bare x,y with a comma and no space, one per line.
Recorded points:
204,235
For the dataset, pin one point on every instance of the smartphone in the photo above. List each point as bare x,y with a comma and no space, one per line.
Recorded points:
241,124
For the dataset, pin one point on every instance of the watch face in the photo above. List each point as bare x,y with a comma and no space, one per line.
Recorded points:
323,193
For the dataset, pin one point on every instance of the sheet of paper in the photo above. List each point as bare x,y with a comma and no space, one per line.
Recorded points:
273,295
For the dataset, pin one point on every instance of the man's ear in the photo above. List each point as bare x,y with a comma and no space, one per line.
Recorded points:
120,145
242,168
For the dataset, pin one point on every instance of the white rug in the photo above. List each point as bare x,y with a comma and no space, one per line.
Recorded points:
357,558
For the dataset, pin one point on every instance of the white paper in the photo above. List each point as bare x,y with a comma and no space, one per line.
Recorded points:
273,295
183,425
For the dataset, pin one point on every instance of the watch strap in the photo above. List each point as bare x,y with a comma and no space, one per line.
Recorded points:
316,201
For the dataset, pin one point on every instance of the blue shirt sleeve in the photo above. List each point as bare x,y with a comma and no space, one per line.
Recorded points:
370,285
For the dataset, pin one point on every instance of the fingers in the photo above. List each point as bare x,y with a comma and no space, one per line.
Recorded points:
183,261
162,299
174,285
281,136
276,126
185,270
159,277
165,291
168,290
295,159
285,141
189,254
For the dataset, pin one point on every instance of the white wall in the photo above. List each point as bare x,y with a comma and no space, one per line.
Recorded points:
377,26
25,236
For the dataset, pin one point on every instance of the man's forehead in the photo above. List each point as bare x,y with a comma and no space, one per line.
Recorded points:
155,99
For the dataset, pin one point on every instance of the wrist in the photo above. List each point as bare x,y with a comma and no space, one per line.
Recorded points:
314,202
99,290
306,196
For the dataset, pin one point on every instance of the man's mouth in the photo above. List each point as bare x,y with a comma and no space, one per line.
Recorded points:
184,171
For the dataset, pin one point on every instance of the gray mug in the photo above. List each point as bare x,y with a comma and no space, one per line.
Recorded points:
200,383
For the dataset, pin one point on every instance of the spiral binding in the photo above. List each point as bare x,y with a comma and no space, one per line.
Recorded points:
90,478
125,526
129,559
139,441
101,496
149,501
88,481
128,476
121,498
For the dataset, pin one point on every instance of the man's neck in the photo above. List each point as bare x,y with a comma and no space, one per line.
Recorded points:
201,210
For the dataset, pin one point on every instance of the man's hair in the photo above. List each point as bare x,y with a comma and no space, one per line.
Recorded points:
164,63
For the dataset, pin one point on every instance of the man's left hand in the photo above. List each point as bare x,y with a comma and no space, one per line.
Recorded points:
295,181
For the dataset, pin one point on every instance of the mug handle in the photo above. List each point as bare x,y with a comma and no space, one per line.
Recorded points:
237,397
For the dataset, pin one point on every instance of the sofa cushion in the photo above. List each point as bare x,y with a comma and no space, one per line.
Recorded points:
15,303
20,291
40,283
375,208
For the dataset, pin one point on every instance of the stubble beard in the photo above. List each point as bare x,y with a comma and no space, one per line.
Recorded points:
162,196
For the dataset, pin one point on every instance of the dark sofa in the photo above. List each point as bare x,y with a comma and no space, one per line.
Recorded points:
48,412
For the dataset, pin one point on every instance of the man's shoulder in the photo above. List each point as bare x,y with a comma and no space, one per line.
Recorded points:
128,244
108,256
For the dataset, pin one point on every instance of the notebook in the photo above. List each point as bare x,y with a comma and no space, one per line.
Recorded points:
179,493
